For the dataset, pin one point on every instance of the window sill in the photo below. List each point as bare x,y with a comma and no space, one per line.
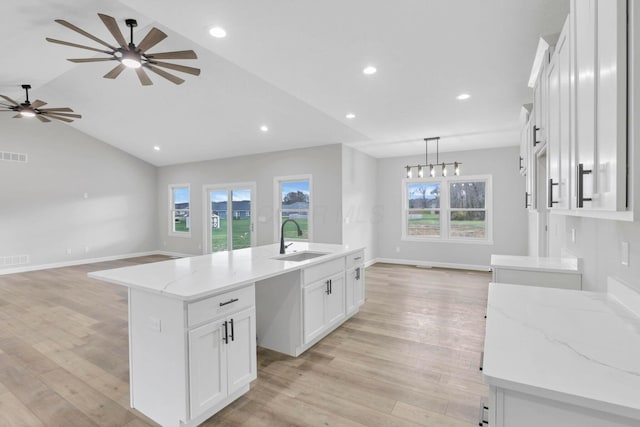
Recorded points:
186,235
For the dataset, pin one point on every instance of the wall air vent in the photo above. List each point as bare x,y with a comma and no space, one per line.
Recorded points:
13,157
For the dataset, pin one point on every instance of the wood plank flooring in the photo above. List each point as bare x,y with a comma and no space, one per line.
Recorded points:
409,358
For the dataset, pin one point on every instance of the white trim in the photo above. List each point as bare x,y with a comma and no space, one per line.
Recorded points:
277,204
171,221
206,209
429,264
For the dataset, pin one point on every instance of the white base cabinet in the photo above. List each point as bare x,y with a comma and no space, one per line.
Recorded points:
354,282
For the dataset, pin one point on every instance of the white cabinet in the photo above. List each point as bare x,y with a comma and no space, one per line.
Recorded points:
222,359
354,282
559,123
323,305
599,45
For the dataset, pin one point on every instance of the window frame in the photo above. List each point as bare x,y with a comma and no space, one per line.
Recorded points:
445,210
172,210
277,219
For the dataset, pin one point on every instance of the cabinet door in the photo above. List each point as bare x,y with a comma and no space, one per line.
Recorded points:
600,57
559,123
359,285
241,349
350,290
314,310
335,300
207,367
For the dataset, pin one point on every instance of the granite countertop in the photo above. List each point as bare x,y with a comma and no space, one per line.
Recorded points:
197,277
548,264
576,347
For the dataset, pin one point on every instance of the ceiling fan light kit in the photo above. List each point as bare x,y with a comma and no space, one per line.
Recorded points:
130,55
30,110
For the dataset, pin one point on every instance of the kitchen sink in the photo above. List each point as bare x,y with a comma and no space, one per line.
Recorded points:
300,256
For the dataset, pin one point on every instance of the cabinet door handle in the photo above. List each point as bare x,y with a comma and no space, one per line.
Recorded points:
551,201
481,420
232,335
526,200
232,300
481,361
330,286
328,283
226,333
358,273
521,159
535,135
580,196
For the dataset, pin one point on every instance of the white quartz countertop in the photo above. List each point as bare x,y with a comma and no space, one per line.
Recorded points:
206,275
573,346
549,264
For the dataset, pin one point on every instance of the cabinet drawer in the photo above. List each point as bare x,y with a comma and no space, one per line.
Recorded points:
210,308
355,260
320,271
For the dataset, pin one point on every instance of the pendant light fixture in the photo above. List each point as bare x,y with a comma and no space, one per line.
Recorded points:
432,167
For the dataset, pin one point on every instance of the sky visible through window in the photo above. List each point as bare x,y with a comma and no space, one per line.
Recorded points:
415,190
181,195
294,186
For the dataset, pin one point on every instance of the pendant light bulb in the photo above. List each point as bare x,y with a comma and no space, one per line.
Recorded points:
444,169
432,171
409,172
456,168
420,171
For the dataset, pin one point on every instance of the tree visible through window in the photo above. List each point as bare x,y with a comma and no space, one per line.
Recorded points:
452,208
294,203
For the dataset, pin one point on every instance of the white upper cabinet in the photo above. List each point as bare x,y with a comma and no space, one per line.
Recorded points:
599,52
559,123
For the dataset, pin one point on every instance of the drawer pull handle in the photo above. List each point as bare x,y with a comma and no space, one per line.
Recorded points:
481,420
358,258
232,300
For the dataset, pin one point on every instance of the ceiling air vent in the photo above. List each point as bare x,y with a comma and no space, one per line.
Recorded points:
13,157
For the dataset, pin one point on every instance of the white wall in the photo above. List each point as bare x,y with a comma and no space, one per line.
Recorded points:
323,163
359,201
509,214
43,212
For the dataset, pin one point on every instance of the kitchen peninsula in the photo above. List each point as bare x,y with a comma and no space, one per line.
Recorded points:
192,321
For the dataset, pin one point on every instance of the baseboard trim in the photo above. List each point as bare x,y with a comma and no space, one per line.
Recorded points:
430,264
27,268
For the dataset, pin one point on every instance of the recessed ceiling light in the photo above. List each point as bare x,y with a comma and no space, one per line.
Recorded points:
264,128
370,70
218,32
463,96
155,147
350,116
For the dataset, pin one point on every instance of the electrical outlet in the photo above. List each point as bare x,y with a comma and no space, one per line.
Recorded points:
155,324
68,251
86,249
397,249
573,235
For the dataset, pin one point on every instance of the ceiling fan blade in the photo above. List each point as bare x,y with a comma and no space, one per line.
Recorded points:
17,116
183,68
10,100
181,54
115,72
64,119
84,33
42,119
91,59
55,113
76,45
144,77
152,38
175,79
60,109
37,103
112,26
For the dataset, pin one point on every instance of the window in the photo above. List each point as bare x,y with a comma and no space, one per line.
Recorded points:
179,212
447,209
294,202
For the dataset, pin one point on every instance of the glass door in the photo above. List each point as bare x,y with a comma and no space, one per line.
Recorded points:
229,217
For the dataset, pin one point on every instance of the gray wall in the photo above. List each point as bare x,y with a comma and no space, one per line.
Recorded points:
323,163
359,201
43,211
509,216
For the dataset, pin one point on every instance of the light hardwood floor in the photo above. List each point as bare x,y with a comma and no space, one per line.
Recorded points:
409,358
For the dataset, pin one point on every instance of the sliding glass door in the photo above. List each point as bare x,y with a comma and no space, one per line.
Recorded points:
229,220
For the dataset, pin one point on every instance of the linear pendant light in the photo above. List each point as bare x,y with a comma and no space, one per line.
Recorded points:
432,167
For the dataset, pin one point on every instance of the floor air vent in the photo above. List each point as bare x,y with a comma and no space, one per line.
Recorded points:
13,157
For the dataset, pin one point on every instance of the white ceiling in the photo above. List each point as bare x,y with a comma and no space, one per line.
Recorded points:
294,65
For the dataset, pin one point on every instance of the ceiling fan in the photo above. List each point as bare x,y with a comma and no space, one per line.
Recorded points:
27,109
132,56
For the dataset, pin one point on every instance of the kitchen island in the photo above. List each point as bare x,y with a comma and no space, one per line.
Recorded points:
192,321
562,358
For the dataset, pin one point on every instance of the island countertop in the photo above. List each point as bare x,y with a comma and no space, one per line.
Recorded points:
576,347
201,276
528,263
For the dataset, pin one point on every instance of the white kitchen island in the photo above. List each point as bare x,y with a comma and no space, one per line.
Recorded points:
192,321
562,358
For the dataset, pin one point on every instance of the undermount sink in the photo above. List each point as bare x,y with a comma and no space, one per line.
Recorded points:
300,256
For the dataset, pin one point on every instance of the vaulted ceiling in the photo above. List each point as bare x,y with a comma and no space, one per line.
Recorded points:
292,65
